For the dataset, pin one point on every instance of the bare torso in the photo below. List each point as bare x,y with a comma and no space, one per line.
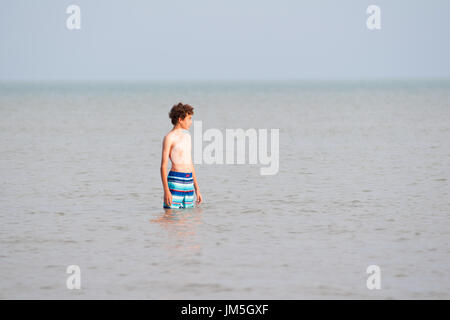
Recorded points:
180,152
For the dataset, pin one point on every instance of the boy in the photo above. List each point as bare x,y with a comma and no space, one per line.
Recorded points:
180,183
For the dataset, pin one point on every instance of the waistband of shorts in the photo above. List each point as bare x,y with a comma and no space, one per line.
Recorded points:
180,174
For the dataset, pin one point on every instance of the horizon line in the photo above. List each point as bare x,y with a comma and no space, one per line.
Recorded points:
219,80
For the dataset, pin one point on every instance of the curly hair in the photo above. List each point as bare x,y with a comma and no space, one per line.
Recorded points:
180,111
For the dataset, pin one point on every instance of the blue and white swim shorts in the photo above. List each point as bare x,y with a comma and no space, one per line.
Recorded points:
181,186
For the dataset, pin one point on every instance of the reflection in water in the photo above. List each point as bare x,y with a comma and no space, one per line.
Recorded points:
181,225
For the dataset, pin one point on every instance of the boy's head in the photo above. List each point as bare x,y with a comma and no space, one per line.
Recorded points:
182,114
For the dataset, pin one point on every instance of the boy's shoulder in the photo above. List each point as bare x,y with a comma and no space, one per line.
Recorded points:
174,135
168,137
169,134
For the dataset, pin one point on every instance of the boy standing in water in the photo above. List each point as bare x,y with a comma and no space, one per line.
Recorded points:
181,181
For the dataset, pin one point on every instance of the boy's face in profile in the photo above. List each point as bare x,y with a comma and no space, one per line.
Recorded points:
186,122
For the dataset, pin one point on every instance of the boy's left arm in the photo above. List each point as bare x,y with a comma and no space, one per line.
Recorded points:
197,188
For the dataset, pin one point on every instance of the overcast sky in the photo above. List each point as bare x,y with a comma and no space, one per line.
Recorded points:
224,39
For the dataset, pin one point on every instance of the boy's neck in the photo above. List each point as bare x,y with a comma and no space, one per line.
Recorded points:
177,127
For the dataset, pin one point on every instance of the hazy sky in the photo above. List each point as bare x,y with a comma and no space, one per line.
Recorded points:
224,39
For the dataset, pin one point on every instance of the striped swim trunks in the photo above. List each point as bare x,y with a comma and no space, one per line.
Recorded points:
181,186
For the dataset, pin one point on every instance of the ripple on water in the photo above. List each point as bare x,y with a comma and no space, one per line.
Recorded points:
209,287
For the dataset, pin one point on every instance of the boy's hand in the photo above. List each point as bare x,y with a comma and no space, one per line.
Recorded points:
168,198
199,198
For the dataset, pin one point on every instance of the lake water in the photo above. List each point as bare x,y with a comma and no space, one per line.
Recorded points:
363,179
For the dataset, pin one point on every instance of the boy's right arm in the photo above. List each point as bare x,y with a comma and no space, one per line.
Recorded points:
164,162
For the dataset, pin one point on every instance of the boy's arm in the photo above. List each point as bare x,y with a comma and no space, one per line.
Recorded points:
164,162
197,188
